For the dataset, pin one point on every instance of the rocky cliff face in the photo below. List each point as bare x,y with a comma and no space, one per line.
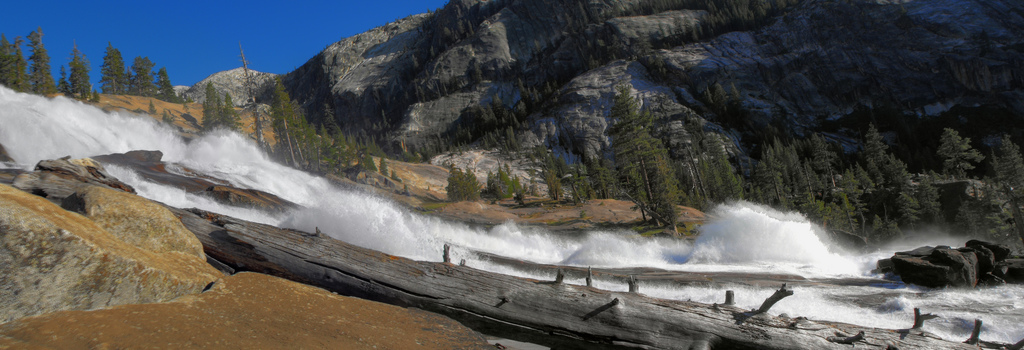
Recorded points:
816,66
233,82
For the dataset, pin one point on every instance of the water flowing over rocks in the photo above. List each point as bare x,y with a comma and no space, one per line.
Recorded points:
59,178
551,313
149,165
248,198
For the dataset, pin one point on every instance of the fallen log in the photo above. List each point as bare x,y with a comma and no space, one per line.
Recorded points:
553,314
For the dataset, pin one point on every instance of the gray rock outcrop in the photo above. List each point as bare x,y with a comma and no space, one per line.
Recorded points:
233,82
811,69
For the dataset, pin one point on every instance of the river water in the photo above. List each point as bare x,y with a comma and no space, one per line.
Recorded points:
741,238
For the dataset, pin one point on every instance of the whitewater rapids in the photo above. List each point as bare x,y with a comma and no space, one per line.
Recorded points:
742,237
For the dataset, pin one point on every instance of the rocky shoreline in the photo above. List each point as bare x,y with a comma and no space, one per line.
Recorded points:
90,265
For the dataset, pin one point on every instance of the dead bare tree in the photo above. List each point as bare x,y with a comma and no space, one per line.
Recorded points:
250,103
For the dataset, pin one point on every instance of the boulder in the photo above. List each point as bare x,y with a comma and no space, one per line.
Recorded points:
986,258
56,260
248,198
943,267
1010,270
1000,251
4,157
59,178
246,311
134,220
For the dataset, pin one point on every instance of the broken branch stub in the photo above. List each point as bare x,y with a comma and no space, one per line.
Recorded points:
919,318
778,295
976,334
447,253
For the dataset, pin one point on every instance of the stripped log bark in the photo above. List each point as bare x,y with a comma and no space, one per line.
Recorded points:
847,340
557,315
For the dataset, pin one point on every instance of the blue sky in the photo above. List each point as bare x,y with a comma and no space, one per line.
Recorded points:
194,39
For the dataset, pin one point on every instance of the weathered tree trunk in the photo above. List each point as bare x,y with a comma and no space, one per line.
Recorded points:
554,314
251,88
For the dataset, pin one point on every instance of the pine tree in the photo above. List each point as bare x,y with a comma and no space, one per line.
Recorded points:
643,165
80,86
62,84
211,108
1009,166
462,186
928,199
19,75
823,159
40,79
141,80
165,91
7,62
553,177
957,154
285,121
113,79
383,168
228,115
874,154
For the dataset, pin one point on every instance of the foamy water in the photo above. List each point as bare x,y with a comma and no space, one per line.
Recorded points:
742,237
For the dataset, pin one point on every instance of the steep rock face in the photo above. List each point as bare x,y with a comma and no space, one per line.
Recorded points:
579,119
355,76
58,260
826,58
233,82
246,311
411,82
413,79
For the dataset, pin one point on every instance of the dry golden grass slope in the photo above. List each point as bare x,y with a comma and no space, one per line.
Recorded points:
244,311
180,112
